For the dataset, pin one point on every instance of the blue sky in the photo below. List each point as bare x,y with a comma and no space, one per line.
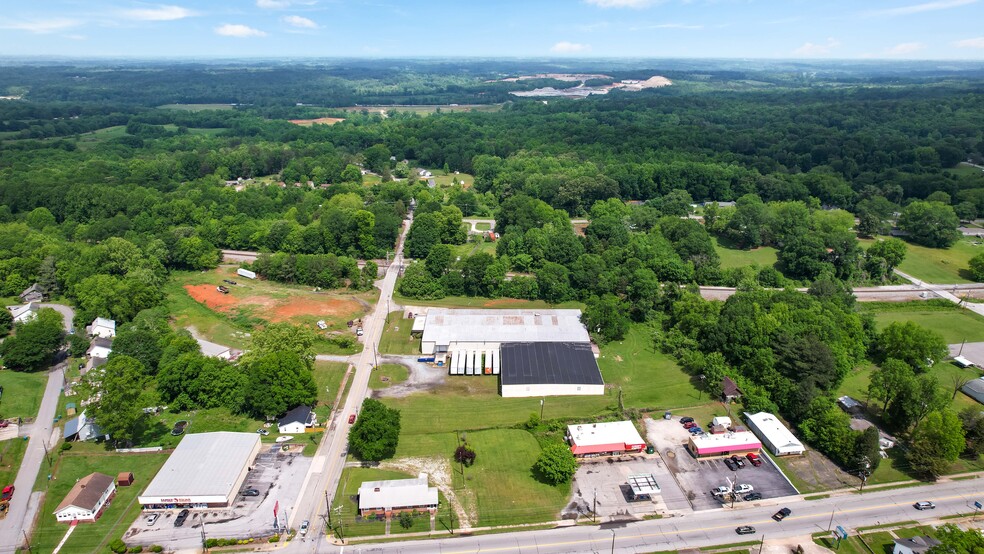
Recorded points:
813,29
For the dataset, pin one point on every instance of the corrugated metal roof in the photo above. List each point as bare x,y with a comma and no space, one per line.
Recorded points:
445,325
397,493
548,363
204,464
587,437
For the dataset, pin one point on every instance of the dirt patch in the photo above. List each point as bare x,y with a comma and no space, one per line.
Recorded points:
317,307
618,358
208,295
320,120
439,472
260,301
819,472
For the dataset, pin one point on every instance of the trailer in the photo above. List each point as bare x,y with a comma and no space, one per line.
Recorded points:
476,362
459,357
246,273
495,363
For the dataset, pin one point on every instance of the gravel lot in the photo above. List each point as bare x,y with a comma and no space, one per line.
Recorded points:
608,479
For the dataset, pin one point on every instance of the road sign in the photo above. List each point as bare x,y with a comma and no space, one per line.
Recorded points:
978,505
842,532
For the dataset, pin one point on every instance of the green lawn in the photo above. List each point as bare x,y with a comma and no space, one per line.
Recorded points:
345,496
22,393
387,375
11,455
483,226
82,460
482,302
328,378
158,432
764,256
396,337
474,247
938,265
955,324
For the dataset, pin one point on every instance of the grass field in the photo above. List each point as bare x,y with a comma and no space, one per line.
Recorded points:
82,460
955,324
426,110
345,496
483,226
965,170
328,377
938,265
396,337
482,302
764,256
158,432
387,375
472,248
195,107
22,393
11,455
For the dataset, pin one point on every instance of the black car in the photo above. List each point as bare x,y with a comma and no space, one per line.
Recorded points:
182,516
753,496
782,514
731,464
686,420
251,492
738,461
745,530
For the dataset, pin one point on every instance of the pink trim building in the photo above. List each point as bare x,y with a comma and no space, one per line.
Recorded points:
726,444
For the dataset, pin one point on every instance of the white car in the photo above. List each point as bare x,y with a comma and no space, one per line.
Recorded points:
743,488
720,491
304,527
322,325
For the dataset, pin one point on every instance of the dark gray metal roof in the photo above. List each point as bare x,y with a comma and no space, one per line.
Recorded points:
538,363
300,414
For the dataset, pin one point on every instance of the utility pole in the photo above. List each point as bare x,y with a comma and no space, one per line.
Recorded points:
328,506
762,544
831,522
28,541
594,508
541,409
204,543
451,517
962,343
613,541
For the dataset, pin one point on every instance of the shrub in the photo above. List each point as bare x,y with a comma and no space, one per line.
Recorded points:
157,548
135,549
274,538
406,520
65,446
118,546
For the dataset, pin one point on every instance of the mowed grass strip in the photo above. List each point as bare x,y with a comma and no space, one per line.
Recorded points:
396,337
938,265
328,378
956,324
11,456
764,256
387,375
22,393
82,460
346,498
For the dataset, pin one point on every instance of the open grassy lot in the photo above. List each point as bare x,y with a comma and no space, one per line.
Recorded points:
11,455
483,226
482,302
22,393
954,323
195,107
471,248
387,375
328,377
396,337
764,256
228,318
158,432
938,265
966,170
82,460
345,496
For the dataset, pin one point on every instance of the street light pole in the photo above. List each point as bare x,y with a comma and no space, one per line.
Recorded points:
831,522
613,541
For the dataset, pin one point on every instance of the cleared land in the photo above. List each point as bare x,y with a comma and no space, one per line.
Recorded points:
387,375
426,110
318,121
82,460
939,265
763,256
22,393
955,324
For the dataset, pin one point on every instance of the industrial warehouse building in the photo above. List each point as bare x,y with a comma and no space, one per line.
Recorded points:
536,352
449,330
206,470
779,440
549,369
604,439
724,444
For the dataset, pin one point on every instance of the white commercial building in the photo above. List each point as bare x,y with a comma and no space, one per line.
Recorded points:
602,439
451,330
547,369
397,495
206,470
776,438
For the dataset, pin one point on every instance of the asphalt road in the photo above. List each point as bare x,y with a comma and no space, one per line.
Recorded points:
12,526
712,527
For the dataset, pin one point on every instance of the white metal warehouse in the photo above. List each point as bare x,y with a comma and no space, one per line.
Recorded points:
456,330
779,440
206,470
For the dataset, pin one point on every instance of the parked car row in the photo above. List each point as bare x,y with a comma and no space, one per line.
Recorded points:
736,462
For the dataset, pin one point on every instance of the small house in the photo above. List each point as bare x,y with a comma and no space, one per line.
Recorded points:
32,293
24,313
87,499
102,327
914,545
124,479
80,429
100,348
729,390
296,420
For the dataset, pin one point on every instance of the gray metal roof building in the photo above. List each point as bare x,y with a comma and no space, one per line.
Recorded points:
975,389
397,495
446,329
205,470
549,369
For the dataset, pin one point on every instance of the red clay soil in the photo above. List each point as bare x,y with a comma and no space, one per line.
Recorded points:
208,295
327,307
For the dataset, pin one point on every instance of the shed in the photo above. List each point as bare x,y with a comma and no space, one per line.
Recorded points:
70,408
124,479
729,390
962,362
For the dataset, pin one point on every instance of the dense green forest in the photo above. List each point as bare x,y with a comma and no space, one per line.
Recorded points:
102,193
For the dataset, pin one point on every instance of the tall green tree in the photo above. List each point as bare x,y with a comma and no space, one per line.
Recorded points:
556,464
936,444
277,382
376,432
116,390
932,224
34,342
607,317
912,343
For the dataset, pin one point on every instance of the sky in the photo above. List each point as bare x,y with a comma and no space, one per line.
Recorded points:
784,29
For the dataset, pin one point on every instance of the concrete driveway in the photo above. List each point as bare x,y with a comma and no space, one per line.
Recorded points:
602,485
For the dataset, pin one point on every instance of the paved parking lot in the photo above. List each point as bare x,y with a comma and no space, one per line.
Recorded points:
276,474
697,477
608,479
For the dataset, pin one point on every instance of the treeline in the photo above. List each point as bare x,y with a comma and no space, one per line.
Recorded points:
319,270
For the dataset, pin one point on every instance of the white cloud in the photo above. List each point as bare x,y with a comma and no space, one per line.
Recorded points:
239,31
273,4
811,49
970,43
160,13
42,26
564,47
622,3
924,7
299,22
905,48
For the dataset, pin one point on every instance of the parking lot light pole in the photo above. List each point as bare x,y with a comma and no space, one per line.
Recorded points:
613,541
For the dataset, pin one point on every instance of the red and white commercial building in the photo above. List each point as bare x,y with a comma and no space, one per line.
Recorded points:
724,444
604,439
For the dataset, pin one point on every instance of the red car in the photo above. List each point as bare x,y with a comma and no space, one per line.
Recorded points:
8,493
689,425
754,459
351,419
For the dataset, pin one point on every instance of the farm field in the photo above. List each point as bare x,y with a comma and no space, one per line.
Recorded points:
764,256
22,392
228,318
938,265
76,463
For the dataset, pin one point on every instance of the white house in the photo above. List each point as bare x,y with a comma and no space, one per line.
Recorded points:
100,348
87,499
24,313
102,327
296,420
